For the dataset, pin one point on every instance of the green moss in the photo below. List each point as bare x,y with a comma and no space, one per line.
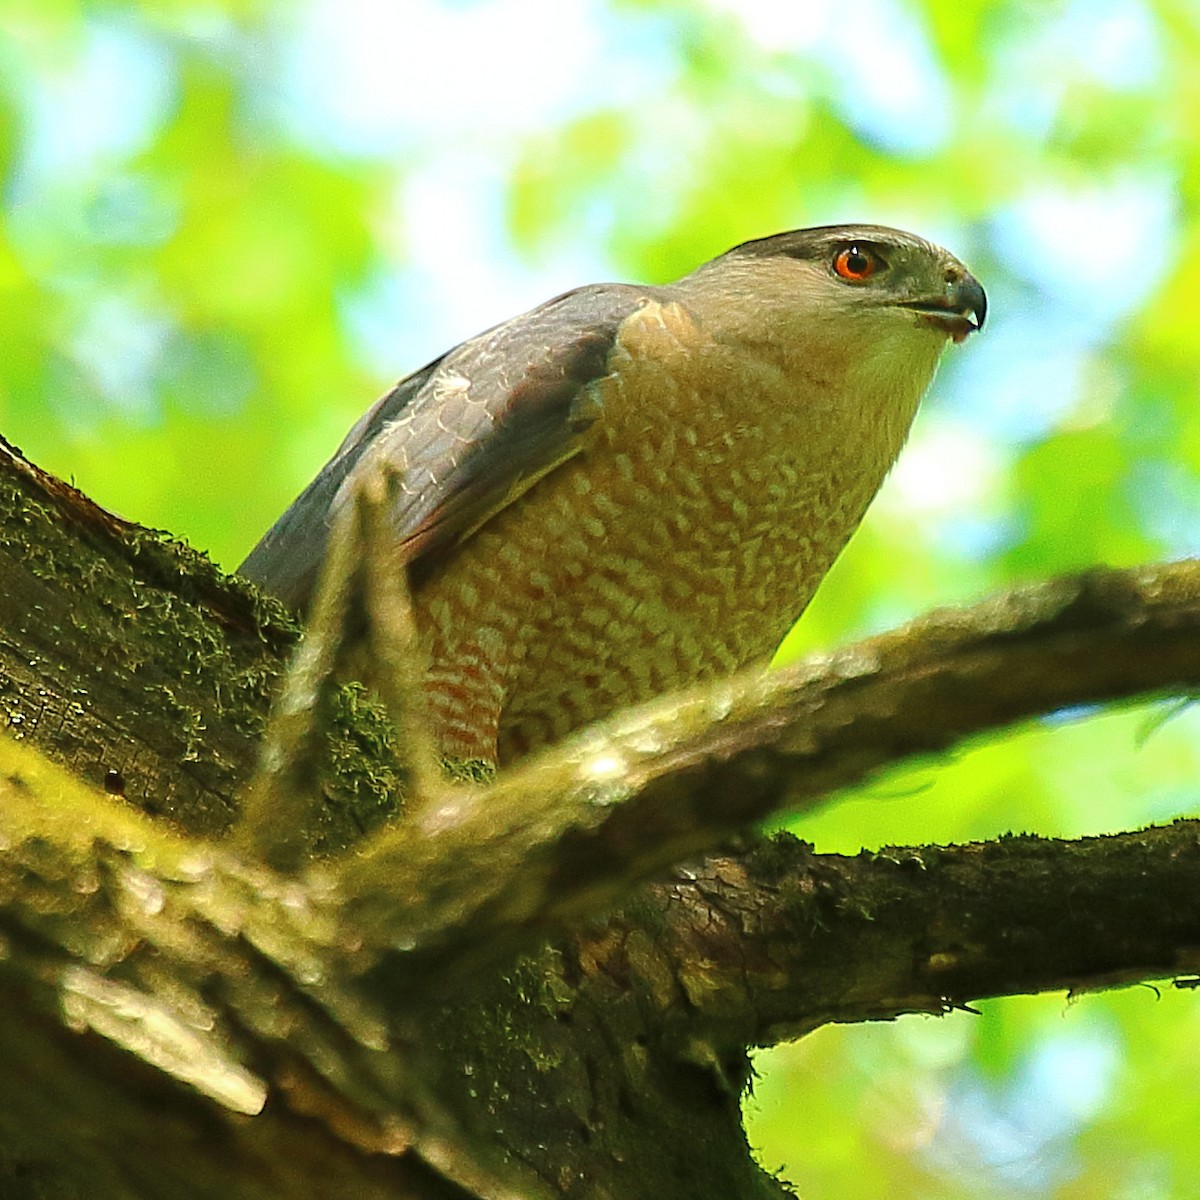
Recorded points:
361,783
469,770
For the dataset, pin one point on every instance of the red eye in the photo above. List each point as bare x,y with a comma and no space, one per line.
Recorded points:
855,263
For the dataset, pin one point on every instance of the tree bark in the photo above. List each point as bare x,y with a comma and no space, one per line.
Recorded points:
517,991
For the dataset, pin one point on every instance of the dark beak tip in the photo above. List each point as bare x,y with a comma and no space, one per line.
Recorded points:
959,310
971,299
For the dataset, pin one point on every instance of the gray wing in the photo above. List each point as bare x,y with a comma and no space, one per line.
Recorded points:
466,435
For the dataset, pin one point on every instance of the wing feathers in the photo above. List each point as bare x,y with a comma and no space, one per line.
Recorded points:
466,435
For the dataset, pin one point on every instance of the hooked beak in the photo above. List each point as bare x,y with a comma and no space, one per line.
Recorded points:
959,311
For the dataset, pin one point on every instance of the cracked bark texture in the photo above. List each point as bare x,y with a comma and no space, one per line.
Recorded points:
518,992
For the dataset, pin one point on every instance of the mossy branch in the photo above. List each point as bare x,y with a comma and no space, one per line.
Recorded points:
373,1014
568,833
770,944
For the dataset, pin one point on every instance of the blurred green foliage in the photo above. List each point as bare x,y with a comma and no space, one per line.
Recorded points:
207,270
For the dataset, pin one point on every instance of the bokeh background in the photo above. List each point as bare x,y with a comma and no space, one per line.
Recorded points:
227,225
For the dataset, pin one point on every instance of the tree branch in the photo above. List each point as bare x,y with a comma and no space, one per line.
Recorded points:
221,976
126,655
569,832
129,658
327,998
766,946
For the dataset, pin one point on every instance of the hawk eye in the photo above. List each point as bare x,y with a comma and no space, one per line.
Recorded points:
856,263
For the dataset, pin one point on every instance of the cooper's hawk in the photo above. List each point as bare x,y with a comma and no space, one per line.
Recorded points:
631,488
